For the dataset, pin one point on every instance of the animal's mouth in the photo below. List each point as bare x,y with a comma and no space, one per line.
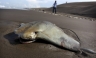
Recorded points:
24,41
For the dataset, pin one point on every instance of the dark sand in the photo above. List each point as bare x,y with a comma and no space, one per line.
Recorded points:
11,48
87,9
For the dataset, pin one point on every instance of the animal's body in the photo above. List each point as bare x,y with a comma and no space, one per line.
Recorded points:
48,31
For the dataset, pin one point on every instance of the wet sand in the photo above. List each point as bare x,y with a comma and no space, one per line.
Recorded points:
12,48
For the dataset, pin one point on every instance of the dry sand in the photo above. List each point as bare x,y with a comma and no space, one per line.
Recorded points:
11,48
87,9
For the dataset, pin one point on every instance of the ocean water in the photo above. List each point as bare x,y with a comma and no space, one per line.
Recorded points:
18,8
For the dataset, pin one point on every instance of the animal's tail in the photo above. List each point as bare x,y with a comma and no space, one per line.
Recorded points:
88,51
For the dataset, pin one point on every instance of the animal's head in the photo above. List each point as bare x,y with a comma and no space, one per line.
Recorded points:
25,34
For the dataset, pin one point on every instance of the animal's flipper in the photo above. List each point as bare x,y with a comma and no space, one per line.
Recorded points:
78,39
88,51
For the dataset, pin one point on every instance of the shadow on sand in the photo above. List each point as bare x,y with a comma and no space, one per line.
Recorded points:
12,38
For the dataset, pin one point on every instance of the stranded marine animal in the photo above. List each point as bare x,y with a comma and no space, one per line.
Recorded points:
48,31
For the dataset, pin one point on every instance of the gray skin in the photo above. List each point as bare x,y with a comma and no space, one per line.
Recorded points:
50,32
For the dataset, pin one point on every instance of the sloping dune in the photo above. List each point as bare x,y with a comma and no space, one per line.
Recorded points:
87,9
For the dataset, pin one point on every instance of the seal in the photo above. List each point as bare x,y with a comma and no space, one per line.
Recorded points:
30,32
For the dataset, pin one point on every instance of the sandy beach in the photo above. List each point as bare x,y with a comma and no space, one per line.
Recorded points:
12,48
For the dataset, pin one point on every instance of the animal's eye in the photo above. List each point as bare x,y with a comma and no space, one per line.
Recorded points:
36,32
